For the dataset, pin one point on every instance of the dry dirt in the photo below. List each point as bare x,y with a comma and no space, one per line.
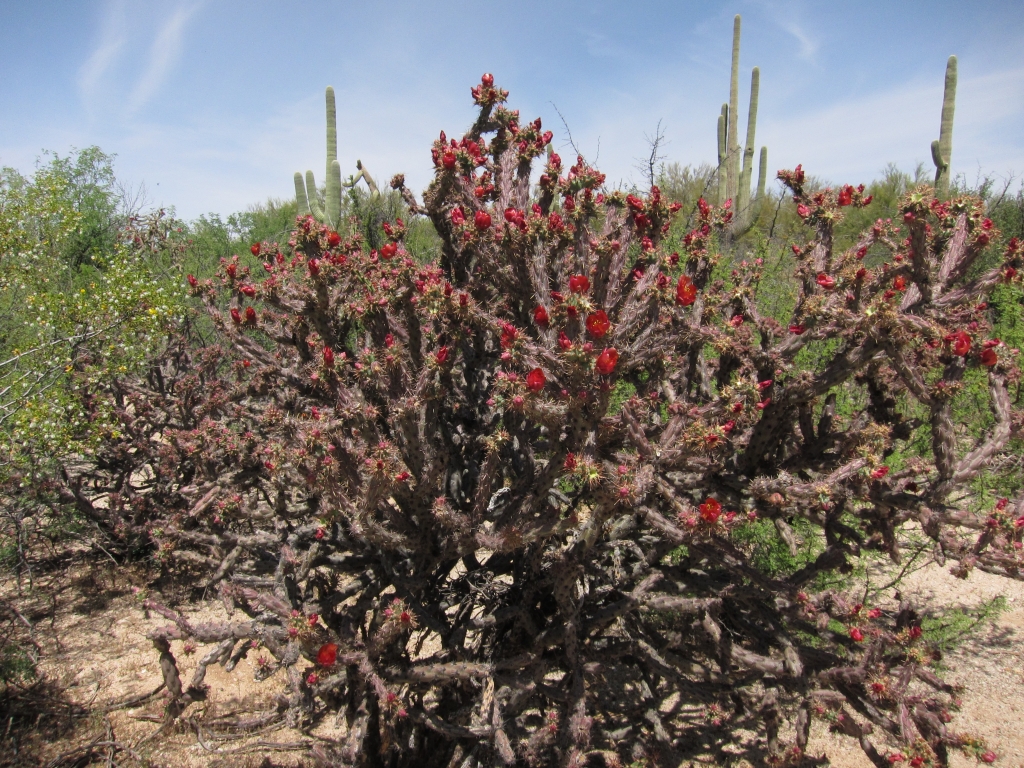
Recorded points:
90,630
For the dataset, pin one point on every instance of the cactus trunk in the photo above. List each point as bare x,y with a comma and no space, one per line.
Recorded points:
943,148
733,162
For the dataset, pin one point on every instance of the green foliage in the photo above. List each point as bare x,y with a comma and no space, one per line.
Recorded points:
949,630
72,296
770,553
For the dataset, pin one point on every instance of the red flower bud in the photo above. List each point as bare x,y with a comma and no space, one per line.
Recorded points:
797,328
579,283
254,249
856,634
482,220
193,282
236,316
314,267
607,361
333,239
535,380
327,655
879,472
448,159
250,315
563,340
328,357
487,79
825,281
388,250
442,356
989,357
899,283
540,316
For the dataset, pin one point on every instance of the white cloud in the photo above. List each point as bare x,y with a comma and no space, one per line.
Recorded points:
163,54
852,140
112,40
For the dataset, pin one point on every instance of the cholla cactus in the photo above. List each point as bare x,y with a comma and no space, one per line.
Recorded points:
490,506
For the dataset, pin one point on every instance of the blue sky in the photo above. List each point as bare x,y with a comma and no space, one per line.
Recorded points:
214,105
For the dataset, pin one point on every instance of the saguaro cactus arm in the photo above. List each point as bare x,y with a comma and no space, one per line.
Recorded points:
943,148
301,200
723,154
743,198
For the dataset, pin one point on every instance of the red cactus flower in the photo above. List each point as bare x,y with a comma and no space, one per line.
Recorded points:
899,283
989,357
563,340
192,281
236,316
442,355
874,613
856,634
314,267
710,510
825,281
482,220
797,328
535,380
988,757
579,284
248,290
845,195
487,79
598,324
686,291
254,249
448,159
961,343
232,270
803,211
250,315
879,472
607,361
570,461
389,340
540,317
508,335
388,250
327,656
328,357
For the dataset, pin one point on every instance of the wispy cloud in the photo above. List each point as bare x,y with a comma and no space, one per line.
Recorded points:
808,45
112,40
899,124
163,54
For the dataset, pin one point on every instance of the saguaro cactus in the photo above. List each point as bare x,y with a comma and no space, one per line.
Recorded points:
328,209
942,148
734,184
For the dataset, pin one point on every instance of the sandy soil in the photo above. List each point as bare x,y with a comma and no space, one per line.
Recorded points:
91,633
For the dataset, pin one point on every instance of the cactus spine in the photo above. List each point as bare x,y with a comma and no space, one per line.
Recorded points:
943,147
734,184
